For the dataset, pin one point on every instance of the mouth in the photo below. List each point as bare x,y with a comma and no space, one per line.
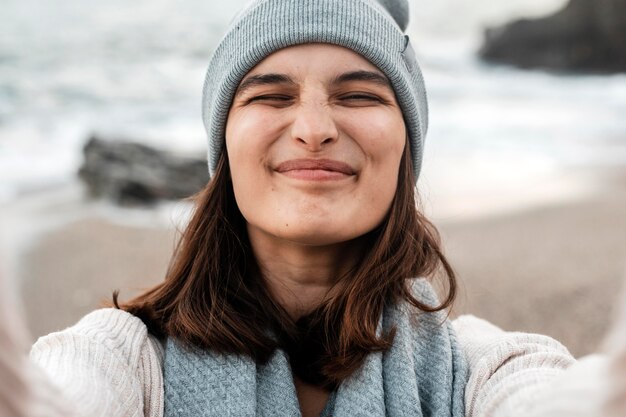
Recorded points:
315,169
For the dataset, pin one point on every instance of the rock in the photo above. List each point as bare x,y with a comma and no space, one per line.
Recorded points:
587,35
135,174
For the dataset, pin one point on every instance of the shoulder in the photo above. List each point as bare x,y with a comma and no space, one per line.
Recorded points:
506,369
106,364
116,330
481,339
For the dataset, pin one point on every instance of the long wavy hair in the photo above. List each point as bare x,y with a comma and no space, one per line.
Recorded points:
215,298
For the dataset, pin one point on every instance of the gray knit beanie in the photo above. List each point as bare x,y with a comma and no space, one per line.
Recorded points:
372,28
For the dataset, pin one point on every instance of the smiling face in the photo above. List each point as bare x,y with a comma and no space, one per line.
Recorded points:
314,139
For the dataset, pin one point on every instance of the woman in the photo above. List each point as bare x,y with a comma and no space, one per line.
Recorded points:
301,285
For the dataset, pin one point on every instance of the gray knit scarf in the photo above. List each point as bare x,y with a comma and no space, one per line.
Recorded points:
422,375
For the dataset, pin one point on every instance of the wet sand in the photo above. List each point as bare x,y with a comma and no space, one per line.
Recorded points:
553,269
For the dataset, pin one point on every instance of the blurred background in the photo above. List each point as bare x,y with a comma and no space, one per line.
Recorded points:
524,170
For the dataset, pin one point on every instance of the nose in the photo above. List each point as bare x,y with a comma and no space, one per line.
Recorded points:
314,126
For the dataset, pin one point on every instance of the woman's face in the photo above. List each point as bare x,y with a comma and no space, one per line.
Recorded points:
314,140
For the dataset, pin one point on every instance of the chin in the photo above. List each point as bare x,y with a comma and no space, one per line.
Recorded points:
319,235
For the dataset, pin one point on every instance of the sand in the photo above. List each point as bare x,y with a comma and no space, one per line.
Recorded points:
75,269
554,269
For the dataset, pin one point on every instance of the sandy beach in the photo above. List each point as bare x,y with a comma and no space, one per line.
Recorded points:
553,268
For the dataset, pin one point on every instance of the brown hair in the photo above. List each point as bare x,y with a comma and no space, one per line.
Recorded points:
213,296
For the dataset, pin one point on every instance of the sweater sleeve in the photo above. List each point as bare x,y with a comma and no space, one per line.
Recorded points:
519,374
105,365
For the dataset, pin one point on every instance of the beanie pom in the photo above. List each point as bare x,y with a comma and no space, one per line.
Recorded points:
399,10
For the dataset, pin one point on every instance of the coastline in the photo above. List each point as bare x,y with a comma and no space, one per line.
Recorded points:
552,266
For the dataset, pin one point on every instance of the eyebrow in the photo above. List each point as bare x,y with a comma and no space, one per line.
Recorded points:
263,79
362,75
274,78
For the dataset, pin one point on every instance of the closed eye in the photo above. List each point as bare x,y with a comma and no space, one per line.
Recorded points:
271,98
361,100
360,97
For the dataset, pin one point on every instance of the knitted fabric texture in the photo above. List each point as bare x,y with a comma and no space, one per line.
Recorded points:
374,29
423,374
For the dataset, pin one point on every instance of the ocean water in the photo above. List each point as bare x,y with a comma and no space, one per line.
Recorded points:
134,70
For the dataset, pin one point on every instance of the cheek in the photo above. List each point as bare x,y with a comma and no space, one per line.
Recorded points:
253,191
380,135
250,134
244,135
246,146
378,192
252,141
383,143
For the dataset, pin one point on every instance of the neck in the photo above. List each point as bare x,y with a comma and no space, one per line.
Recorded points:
299,276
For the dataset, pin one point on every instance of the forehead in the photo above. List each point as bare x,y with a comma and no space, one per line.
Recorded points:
313,58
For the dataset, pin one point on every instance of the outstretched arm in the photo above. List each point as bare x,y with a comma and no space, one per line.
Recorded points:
24,390
615,346
519,374
104,366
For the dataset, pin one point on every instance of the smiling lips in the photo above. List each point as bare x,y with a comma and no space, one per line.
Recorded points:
315,169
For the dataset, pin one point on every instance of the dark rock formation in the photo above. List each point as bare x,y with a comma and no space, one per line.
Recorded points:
134,174
587,35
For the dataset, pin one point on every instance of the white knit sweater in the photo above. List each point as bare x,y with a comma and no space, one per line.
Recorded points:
108,365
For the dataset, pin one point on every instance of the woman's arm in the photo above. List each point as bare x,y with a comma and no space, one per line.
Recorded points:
615,346
24,390
15,381
519,374
105,365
